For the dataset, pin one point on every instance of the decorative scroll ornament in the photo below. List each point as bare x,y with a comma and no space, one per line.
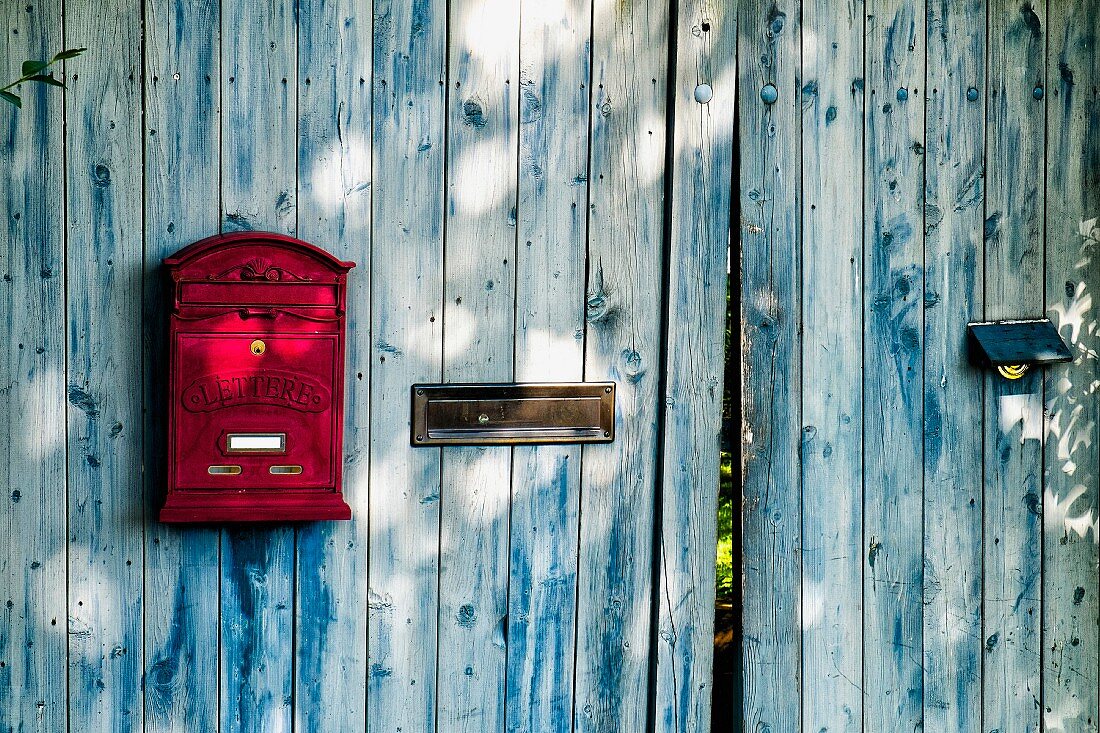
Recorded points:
259,269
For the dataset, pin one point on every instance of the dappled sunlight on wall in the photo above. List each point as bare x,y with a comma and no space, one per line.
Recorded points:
338,176
47,439
1070,431
489,32
1025,409
469,188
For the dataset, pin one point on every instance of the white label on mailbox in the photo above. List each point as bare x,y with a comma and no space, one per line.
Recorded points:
248,442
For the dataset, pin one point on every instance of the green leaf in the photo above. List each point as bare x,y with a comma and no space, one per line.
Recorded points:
14,99
68,54
45,79
33,67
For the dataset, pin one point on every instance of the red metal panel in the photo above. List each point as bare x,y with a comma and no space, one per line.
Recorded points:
256,381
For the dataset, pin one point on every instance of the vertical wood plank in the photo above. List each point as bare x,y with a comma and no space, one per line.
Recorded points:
550,266
832,401
104,283
1014,409
832,354
32,386
892,365
954,195
182,204
1071,502
410,65
258,131
626,163
479,304
334,187
706,37
768,47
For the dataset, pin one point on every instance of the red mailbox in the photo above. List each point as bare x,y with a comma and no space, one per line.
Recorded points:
256,383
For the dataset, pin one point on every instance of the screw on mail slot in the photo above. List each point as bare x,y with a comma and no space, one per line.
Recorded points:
510,414
256,381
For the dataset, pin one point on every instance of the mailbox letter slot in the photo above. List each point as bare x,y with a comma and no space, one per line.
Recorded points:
510,414
255,443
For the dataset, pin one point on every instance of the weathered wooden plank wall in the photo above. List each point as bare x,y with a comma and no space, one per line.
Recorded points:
183,83
1071,494
33,638
966,508
769,99
705,36
551,221
104,368
954,228
541,190
334,206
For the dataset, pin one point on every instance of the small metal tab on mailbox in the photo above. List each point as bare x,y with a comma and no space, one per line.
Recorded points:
510,414
1011,347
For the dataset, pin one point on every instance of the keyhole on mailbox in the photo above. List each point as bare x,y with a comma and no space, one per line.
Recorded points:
258,347
483,418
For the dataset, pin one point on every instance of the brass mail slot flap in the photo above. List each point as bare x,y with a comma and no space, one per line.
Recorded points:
510,414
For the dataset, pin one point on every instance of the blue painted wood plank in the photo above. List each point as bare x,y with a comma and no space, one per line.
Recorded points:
181,204
410,63
259,111
478,342
334,206
769,42
893,377
550,257
1071,496
832,356
626,179
104,364
33,642
832,400
953,501
706,38
1014,409
256,627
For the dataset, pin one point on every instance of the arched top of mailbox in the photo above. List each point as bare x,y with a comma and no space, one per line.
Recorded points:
254,256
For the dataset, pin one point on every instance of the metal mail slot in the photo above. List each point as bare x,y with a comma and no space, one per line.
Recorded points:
510,414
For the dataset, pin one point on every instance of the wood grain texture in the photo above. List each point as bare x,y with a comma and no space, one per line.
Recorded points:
706,36
334,200
892,373
181,204
479,300
1014,234
103,181
954,195
626,179
104,369
33,644
769,42
259,129
1071,496
551,233
832,360
410,64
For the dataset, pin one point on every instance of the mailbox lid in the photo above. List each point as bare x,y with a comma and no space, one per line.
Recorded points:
257,268
225,390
